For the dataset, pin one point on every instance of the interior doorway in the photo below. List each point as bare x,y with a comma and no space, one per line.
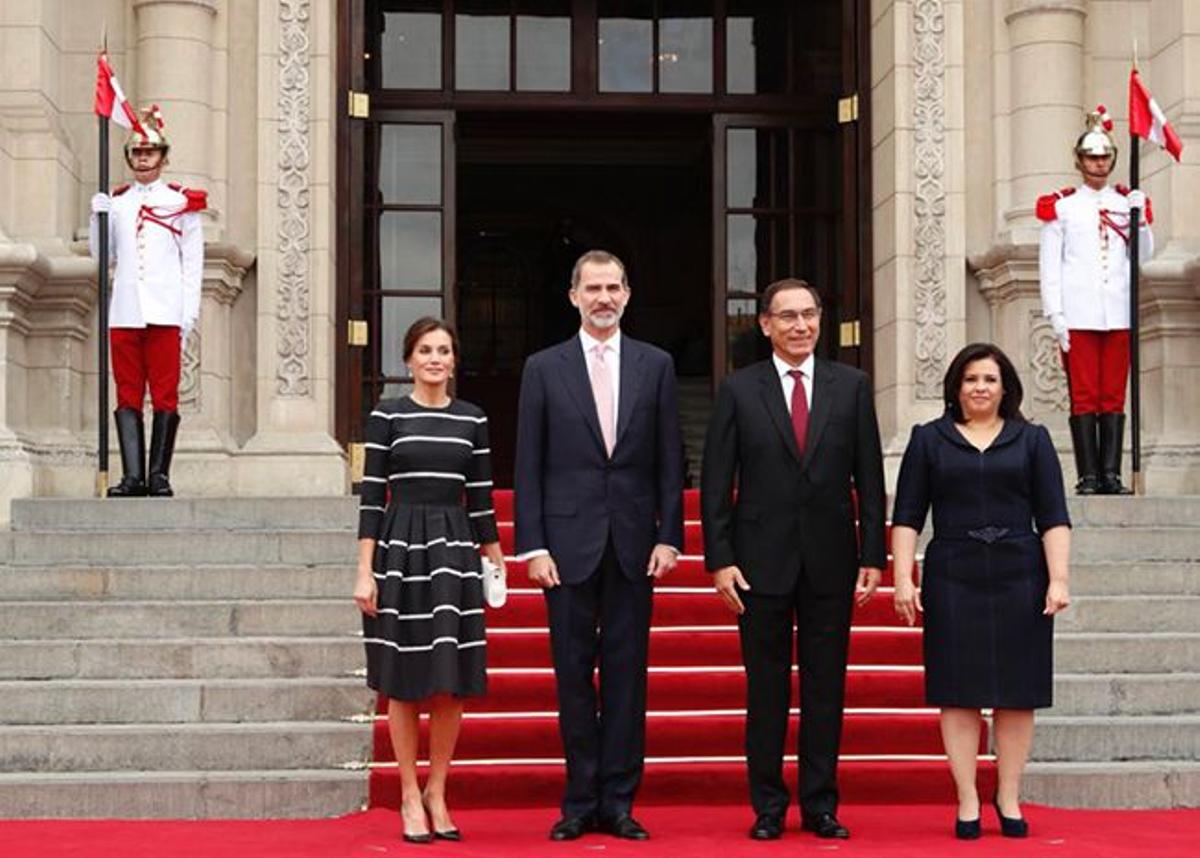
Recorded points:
533,193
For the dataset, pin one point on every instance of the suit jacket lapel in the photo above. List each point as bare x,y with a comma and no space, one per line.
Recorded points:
772,394
575,378
822,406
631,384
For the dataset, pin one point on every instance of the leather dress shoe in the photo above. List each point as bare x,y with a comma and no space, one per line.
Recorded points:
767,827
626,827
824,825
571,828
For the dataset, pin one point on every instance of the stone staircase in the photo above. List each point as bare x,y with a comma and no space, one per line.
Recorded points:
200,658
184,658
1125,727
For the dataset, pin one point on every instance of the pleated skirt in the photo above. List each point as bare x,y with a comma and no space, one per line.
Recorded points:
428,636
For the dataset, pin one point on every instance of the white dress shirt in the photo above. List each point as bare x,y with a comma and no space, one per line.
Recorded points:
612,360
789,383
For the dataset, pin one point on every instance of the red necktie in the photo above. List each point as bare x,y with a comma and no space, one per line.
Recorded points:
799,410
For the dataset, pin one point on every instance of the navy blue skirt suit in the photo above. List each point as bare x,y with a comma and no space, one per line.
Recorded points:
984,578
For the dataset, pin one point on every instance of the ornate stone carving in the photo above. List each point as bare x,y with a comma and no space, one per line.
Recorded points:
189,374
1045,365
929,198
293,333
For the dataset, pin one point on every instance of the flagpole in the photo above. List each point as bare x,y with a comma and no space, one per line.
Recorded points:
1135,340
102,313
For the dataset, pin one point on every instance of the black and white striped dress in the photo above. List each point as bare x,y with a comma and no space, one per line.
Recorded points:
427,501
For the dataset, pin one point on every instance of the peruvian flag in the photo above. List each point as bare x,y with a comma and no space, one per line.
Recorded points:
109,95
1146,119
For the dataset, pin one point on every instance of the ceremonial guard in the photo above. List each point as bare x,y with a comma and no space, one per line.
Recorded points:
1084,261
155,236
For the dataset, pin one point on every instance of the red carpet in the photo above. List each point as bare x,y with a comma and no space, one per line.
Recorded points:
889,831
509,753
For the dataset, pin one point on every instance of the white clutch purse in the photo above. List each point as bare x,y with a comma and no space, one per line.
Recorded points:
495,586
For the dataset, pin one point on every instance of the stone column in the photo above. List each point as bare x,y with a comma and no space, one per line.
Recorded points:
175,71
1170,284
1045,109
1046,97
918,143
293,449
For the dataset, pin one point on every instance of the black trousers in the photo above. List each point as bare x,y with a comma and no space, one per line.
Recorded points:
603,621
822,640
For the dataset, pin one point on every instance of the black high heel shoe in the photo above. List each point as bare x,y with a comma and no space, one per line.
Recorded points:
967,829
427,837
1010,826
452,834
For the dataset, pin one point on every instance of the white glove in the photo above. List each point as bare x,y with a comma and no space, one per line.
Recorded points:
1137,200
101,204
1059,323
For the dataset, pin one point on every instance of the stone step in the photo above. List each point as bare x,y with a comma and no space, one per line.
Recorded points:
196,547
1117,652
1132,544
176,583
1082,738
246,794
1162,783
255,618
1142,578
1126,694
183,658
48,583
1181,511
166,747
1131,614
184,514
131,701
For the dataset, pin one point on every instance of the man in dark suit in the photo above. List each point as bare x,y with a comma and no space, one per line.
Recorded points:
599,516
793,435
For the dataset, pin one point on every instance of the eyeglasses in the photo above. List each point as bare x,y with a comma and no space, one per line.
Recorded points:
791,317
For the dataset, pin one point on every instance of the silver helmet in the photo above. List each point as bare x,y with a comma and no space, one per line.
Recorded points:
1097,140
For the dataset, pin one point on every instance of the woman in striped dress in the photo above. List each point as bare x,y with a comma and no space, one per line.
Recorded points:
420,583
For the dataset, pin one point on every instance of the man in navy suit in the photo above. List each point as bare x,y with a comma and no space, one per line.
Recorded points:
599,517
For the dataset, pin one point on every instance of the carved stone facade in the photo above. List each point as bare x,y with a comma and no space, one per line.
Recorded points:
973,108
295,114
929,210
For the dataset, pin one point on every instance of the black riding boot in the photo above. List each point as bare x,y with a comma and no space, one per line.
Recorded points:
131,438
162,446
1112,433
1087,458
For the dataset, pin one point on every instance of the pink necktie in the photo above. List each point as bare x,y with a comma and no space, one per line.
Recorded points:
602,390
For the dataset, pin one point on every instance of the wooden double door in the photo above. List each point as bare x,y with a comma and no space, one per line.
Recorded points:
473,205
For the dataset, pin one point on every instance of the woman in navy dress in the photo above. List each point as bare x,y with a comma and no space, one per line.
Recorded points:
995,573
420,582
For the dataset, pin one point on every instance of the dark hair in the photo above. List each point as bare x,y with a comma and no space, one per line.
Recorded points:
1010,401
597,257
425,325
768,295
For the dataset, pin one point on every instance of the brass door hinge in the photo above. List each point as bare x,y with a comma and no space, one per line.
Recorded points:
357,332
849,334
848,109
359,105
358,461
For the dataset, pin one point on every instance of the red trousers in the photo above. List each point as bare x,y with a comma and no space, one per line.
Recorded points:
1097,366
146,355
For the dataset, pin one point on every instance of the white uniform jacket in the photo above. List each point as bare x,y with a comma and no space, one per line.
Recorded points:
1084,256
157,242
